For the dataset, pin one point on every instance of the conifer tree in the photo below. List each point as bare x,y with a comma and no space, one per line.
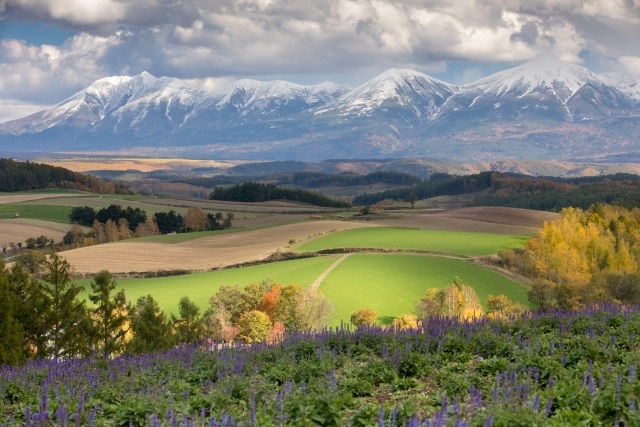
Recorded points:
190,326
12,340
109,314
150,327
70,326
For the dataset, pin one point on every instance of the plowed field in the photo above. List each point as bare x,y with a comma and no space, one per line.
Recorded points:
215,251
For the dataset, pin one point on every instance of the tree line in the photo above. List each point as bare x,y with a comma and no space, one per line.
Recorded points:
115,223
42,315
347,179
554,194
23,176
258,192
585,257
436,185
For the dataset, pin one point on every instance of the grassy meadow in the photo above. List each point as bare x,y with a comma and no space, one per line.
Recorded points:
393,284
390,284
446,242
199,287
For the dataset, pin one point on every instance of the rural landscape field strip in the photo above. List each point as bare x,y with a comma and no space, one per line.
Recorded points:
446,242
19,229
199,287
214,251
392,284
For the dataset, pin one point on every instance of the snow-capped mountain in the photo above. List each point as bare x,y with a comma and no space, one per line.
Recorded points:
541,109
413,95
544,89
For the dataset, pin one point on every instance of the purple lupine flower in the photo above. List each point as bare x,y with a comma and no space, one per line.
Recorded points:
489,421
381,417
536,403
547,409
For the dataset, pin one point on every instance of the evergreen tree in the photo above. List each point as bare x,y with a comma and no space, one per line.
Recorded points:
190,326
32,308
109,314
151,330
70,325
12,339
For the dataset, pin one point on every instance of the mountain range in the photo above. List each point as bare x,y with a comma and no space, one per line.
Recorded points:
543,109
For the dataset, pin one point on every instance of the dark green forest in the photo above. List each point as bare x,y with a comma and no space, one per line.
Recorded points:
23,176
257,192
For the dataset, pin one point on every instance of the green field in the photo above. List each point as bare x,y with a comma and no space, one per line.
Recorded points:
201,286
448,242
31,211
393,284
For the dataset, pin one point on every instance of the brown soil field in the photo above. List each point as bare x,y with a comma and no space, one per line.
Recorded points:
266,207
487,219
19,229
202,254
19,198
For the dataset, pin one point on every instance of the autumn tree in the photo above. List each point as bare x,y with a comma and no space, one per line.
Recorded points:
74,237
501,307
363,316
254,326
457,299
405,321
109,314
195,219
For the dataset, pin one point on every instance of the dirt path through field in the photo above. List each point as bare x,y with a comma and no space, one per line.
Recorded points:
325,273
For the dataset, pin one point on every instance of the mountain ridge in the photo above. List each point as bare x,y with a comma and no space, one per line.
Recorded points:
542,109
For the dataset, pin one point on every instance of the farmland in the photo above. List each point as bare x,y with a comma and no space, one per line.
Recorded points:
393,284
446,242
389,283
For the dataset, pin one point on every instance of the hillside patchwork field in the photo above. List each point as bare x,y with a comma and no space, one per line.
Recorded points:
427,249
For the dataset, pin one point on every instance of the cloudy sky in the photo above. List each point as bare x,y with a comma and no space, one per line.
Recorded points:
50,49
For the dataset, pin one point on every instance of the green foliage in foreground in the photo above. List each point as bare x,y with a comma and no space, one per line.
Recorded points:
553,369
449,242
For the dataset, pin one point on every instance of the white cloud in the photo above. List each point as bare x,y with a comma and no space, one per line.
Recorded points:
217,41
10,109
631,63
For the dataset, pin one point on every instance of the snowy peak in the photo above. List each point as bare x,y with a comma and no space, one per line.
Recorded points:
394,88
248,94
540,75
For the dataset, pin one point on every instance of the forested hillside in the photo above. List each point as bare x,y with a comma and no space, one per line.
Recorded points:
257,192
521,191
23,176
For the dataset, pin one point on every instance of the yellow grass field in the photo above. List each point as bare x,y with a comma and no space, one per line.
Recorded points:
141,164
216,251
19,198
17,230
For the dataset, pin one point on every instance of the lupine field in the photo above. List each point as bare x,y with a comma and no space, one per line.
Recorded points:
558,368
